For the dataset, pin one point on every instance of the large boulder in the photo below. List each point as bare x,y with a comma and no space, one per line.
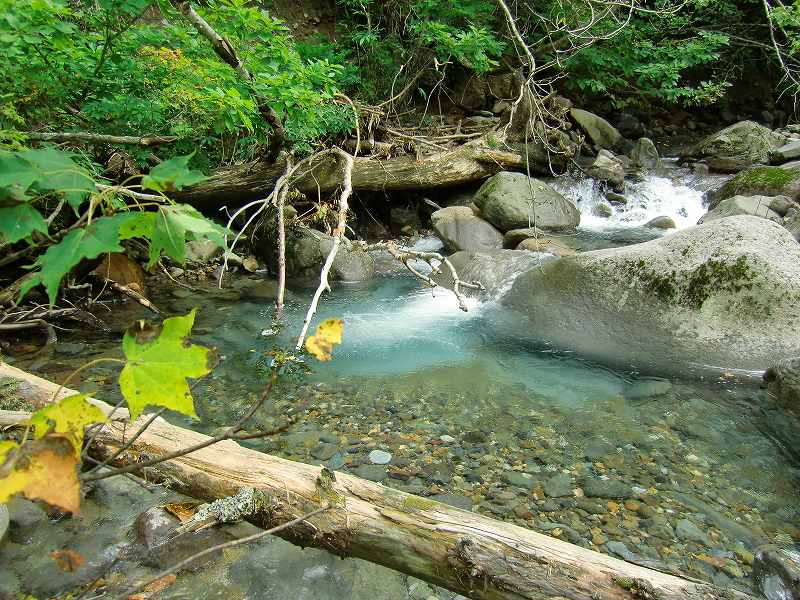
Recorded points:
601,133
736,147
757,206
645,154
460,229
785,153
307,249
759,181
725,294
495,269
515,201
608,169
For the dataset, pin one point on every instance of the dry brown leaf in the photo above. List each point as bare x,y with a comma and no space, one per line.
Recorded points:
67,560
160,584
182,510
120,269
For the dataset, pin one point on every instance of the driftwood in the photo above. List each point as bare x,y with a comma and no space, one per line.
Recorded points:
465,164
468,553
99,138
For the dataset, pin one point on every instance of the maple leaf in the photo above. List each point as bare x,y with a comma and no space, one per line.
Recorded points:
329,333
173,224
69,417
159,361
44,469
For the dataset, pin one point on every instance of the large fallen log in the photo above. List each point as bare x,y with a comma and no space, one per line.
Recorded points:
465,164
465,552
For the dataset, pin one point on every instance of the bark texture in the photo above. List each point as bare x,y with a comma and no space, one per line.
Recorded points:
465,164
462,551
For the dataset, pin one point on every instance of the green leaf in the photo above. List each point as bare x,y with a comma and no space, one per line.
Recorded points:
173,224
57,172
16,176
89,242
159,361
172,174
19,222
70,416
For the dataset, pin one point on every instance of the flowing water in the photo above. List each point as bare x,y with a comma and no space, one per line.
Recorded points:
686,476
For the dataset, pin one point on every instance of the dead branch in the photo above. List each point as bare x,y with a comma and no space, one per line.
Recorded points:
99,138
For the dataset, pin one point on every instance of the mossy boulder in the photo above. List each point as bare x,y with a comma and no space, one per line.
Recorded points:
514,201
759,181
307,249
736,147
600,132
757,206
722,295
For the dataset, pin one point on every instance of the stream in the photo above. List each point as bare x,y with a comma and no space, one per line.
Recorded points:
683,475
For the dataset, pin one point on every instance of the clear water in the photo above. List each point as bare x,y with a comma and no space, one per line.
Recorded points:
467,404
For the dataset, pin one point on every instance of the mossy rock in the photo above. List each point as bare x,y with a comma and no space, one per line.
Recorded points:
736,147
759,181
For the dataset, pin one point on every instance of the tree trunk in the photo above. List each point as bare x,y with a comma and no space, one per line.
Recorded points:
464,164
459,550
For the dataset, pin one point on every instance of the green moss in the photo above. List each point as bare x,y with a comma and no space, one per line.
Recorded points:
412,503
624,582
693,289
764,180
9,399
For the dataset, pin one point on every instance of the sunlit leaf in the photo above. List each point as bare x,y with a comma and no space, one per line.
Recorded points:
159,361
171,175
70,417
329,333
44,469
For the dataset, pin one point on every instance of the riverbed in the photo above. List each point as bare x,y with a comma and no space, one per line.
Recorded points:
682,474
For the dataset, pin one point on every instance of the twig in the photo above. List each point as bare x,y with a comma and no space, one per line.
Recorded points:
337,240
32,324
281,201
224,546
123,191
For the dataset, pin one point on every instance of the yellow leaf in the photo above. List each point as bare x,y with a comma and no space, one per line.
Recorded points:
70,416
67,560
329,333
44,469
182,510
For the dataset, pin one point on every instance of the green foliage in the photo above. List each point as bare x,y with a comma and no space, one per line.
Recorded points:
171,227
159,359
128,75
171,175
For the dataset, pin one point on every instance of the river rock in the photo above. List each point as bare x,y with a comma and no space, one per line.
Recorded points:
546,244
621,550
785,153
783,382
307,249
607,168
202,251
371,472
495,269
519,480
758,206
505,201
558,486
776,573
662,222
724,293
460,229
379,457
645,154
689,532
602,210
594,487
759,181
736,147
649,388
601,133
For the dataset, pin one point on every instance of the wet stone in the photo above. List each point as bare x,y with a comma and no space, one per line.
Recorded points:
558,486
518,480
379,457
371,472
621,550
688,531
597,449
648,389
607,488
454,500
324,451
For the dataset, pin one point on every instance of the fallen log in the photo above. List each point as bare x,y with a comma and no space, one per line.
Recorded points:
465,552
465,164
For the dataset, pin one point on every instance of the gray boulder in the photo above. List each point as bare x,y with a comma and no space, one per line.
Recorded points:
759,181
785,153
725,294
776,572
460,229
505,200
495,269
757,206
546,244
601,133
607,168
645,154
307,249
736,147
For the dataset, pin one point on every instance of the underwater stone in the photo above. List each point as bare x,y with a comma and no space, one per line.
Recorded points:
379,457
